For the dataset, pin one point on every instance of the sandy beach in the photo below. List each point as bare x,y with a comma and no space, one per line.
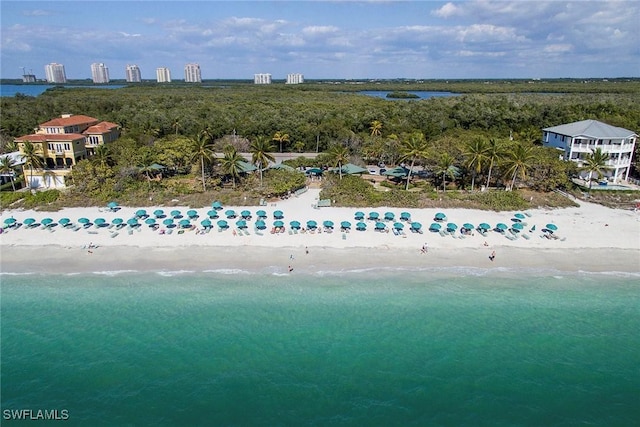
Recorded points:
588,238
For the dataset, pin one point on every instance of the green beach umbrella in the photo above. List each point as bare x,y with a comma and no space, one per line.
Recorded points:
278,214
389,215
241,223
216,205
278,223
484,226
261,214
398,226
31,221
294,224
83,220
168,222
222,223
551,227
374,215
361,226
176,213
141,213
192,213
435,227
359,215
416,225
452,226
260,224
150,221
117,221
312,224
380,226
205,223
213,213
230,213
245,214
467,226
328,223
345,224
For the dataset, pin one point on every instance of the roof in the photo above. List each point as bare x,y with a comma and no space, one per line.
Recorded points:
351,169
246,166
590,128
45,137
101,127
16,157
70,121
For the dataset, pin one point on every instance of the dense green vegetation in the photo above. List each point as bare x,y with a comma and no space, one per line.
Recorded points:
460,143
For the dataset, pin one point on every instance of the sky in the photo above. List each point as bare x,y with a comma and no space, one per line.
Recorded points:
375,39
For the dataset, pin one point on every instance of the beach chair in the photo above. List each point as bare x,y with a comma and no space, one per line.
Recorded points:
169,231
526,236
290,232
130,231
344,236
114,234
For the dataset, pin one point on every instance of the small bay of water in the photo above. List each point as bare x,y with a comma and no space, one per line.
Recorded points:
35,90
420,93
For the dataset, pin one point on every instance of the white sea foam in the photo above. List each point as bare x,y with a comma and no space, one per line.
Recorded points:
227,271
171,273
114,272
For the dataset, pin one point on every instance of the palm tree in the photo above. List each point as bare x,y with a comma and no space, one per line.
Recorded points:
339,155
176,125
595,162
413,149
32,159
203,151
519,160
476,155
281,137
6,168
230,163
493,153
261,149
102,155
446,168
376,128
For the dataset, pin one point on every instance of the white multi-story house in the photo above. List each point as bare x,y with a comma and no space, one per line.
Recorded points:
163,75
192,73
133,74
579,139
55,73
295,79
99,73
262,79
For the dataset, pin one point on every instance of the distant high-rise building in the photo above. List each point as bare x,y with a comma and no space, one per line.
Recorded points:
295,78
99,73
163,75
28,77
133,74
262,79
192,73
54,73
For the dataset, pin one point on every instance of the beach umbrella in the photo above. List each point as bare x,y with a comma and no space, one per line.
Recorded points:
99,222
345,224
245,214
117,221
205,223
435,227
398,226
452,226
361,226
517,226
328,224
374,215
83,220
158,213
261,214
168,222
112,205
467,226
176,213
31,221
278,214
294,224
389,215
46,221
501,226
10,221
150,221
260,224
241,223
312,224
216,205
551,227
416,225
440,216
519,216
141,212
132,222
230,213
184,223
278,223
380,226
213,213
405,216
484,226
359,215
192,213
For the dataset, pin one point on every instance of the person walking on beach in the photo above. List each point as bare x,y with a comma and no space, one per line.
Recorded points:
492,256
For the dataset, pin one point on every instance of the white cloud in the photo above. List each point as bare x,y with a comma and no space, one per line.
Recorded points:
447,11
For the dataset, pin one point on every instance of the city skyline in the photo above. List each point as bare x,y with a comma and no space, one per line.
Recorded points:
341,40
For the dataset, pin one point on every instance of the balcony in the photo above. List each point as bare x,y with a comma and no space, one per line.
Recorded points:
619,162
606,148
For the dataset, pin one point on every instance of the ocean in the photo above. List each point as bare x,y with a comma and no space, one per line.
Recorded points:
357,348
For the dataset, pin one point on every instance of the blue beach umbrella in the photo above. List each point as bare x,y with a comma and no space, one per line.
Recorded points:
519,215
398,226
451,226
328,224
192,213
241,223
312,224
10,221
99,222
213,213
230,213
117,221
405,216
389,215
245,214
205,223
46,221
83,220
551,227
374,215
345,224
216,205
440,216
150,221
261,214
112,205
260,224
168,222
501,226
484,226
416,225
380,226
358,215
31,221
361,226
517,226
278,223
132,222
184,223
435,227
141,212
278,214
294,224
467,226
159,213
64,221
176,213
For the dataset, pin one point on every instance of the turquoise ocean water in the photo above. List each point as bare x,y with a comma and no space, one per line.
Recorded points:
360,348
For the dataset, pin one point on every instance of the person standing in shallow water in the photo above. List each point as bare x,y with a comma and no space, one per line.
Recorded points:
492,256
